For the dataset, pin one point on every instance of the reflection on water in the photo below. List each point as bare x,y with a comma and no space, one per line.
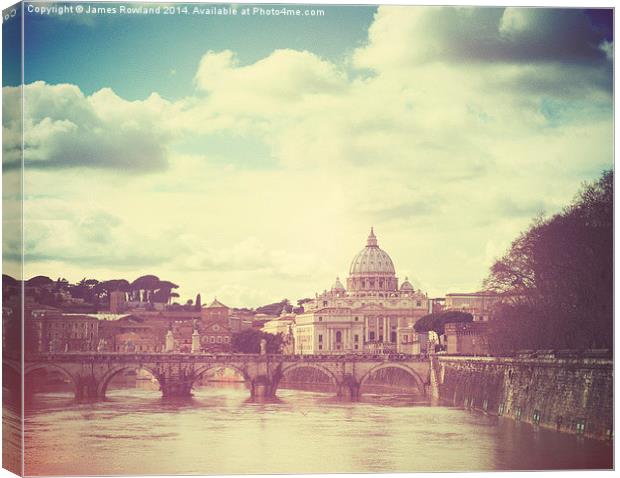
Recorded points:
219,431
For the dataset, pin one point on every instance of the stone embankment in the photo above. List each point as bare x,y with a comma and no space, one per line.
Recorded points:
566,391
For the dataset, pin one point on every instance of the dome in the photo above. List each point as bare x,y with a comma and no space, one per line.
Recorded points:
338,287
372,260
406,286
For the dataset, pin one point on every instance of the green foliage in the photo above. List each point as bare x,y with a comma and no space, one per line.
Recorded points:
39,281
437,321
248,342
95,294
108,286
275,308
557,278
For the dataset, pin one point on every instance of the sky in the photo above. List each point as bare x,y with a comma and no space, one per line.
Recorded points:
247,157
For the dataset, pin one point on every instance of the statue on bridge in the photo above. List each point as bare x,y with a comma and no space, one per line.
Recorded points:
263,346
195,341
101,346
169,341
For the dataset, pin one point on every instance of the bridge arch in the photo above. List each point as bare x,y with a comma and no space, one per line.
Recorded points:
206,368
104,381
11,381
297,366
49,366
29,390
418,380
13,366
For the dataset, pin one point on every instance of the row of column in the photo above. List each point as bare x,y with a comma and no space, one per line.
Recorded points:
330,340
387,330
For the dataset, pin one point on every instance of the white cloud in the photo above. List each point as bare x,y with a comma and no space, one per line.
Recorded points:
449,148
63,128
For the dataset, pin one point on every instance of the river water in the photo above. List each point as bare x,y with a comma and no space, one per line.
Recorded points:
218,431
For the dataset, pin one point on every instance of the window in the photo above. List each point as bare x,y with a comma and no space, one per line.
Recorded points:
356,319
324,303
405,339
320,346
371,336
320,337
338,337
418,303
393,337
356,338
320,319
212,339
219,339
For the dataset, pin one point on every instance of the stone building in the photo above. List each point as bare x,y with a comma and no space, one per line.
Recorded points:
284,325
118,302
215,311
478,304
280,325
215,328
469,338
57,332
373,314
145,341
132,333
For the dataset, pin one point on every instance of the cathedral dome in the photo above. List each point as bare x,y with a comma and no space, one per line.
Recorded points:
338,287
372,260
406,286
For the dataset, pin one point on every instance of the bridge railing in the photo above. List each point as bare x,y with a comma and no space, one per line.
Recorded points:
197,357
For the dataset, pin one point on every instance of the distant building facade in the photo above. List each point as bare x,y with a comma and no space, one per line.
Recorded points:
469,338
373,314
57,332
215,328
118,302
478,304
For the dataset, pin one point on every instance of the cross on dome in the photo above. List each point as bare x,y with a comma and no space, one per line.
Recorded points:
372,239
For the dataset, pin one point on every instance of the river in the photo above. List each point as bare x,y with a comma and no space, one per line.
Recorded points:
219,431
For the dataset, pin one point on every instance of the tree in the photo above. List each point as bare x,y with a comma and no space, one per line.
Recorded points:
437,321
248,342
557,278
150,288
163,293
86,290
39,281
275,308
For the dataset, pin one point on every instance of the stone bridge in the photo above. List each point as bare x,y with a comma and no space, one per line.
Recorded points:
91,373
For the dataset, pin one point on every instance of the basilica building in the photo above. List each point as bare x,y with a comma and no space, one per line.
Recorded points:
372,314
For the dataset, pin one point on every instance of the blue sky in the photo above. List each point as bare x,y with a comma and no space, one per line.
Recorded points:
248,157
137,54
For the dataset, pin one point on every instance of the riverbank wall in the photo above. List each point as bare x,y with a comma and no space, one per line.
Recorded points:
565,391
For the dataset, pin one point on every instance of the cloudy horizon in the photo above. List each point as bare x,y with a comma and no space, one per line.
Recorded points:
247,158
